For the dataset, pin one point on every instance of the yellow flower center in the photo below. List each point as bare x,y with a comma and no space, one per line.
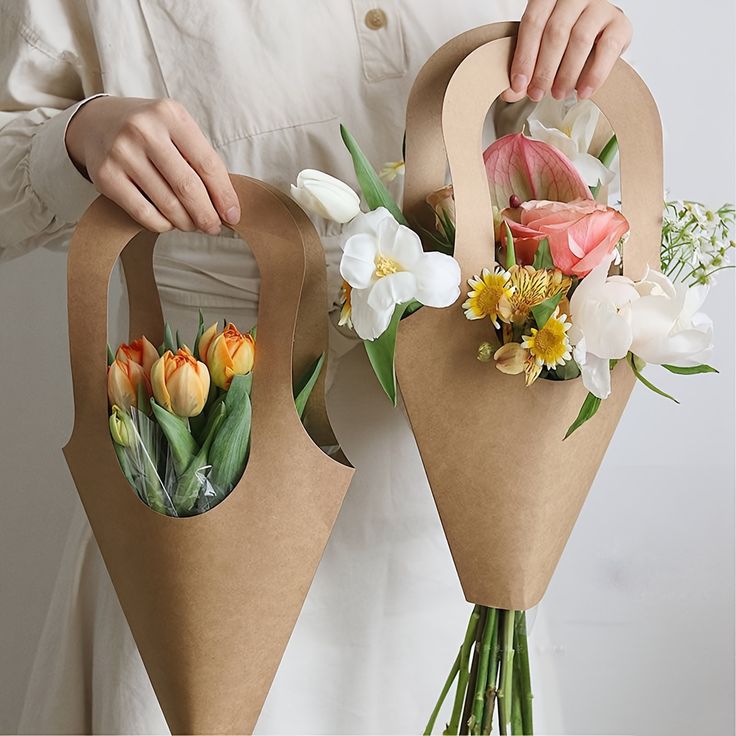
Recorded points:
386,266
489,298
550,344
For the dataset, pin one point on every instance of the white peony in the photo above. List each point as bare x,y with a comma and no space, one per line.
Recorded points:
571,132
667,326
326,196
385,265
600,311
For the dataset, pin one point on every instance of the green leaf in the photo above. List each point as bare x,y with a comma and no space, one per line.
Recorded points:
510,251
606,156
168,343
648,384
382,352
146,459
589,408
691,370
438,241
110,355
143,399
543,256
229,451
190,482
176,430
303,389
253,331
374,191
567,371
542,312
200,332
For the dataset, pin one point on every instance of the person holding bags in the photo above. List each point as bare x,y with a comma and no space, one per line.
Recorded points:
151,103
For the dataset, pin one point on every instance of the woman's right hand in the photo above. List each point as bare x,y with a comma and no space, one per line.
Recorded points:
151,158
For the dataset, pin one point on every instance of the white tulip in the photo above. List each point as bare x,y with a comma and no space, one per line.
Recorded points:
667,326
326,196
600,311
571,132
385,265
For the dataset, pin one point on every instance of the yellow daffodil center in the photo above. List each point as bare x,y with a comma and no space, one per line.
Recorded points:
386,266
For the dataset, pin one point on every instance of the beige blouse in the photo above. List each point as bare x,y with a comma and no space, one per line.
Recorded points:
268,82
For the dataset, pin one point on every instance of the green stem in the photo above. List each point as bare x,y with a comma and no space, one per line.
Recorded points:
492,679
606,156
507,662
470,690
522,658
482,679
445,689
463,674
517,726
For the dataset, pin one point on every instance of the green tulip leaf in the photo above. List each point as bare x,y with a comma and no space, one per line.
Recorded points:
374,190
382,351
690,370
303,389
589,408
632,364
176,430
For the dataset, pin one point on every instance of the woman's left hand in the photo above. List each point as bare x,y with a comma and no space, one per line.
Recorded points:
566,45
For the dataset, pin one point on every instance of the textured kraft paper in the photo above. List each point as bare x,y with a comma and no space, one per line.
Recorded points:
507,488
211,599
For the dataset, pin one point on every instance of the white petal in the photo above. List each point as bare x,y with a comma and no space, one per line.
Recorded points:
368,323
391,290
399,243
358,264
438,280
591,170
596,375
582,118
367,222
326,196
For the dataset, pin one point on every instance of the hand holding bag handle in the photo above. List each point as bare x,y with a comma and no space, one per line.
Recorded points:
211,599
507,512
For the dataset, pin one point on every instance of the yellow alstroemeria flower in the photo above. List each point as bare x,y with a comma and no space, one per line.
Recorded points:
346,311
533,286
489,296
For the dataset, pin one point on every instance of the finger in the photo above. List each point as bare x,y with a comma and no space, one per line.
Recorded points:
579,48
196,149
115,185
554,43
529,38
187,186
606,51
148,179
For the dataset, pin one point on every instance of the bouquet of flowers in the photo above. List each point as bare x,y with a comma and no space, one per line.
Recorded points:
213,555
557,308
181,420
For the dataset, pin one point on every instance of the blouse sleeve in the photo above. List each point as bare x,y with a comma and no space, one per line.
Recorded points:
42,194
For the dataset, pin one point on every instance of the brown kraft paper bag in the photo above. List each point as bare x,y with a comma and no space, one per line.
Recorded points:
211,599
507,488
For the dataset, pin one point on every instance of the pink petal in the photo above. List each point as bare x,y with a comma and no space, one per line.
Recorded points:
531,169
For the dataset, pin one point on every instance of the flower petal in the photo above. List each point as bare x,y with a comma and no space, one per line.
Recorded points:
358,264
391,290
596,375
368,323
437,280
399,243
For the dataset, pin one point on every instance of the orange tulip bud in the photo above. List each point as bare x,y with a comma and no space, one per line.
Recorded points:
206,340
140,351
180,383
123,381
230,353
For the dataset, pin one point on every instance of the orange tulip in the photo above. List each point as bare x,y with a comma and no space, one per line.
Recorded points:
123,381
229,353
140,351
180,383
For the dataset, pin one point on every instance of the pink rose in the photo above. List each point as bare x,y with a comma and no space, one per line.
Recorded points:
581,234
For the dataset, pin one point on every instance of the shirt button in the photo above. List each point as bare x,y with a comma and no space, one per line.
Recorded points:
376,19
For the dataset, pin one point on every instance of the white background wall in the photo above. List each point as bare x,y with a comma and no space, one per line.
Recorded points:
636,630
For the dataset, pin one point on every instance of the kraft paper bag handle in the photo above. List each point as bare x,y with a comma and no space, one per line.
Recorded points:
475,83
291,327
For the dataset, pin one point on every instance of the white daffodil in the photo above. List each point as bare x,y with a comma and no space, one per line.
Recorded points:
570,130
326,196
667,326
385,265
600,310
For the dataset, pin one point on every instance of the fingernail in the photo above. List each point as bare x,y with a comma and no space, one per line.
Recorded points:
535,94
232,215
519,82
584,93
